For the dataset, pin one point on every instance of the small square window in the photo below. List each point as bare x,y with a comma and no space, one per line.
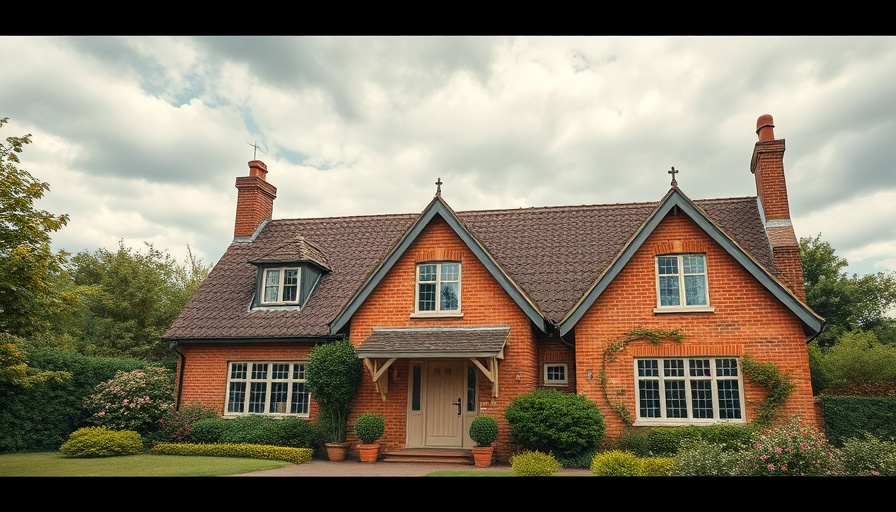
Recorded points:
556,374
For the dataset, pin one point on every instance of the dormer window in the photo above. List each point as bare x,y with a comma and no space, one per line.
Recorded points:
281,285
438,288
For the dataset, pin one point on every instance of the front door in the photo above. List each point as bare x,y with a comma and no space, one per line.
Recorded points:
445,390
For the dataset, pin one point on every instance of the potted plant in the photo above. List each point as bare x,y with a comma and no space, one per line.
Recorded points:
333,376
369,427
483,432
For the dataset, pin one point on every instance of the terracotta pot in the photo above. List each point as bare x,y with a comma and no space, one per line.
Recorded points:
337,451
482,456
368,452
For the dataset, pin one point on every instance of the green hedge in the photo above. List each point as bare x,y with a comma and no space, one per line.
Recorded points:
40,418
847,417
254,451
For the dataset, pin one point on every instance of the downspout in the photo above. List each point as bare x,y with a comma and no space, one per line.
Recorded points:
180,375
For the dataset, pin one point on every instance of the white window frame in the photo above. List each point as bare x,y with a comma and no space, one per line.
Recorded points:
281,285
683,278
698,382
551,369
437,282
273,388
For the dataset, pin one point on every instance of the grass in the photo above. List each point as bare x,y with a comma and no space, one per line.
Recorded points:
55,464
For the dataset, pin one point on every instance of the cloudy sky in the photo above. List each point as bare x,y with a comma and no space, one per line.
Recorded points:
141,138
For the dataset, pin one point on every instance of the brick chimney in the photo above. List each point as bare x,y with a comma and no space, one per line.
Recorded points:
767,166
254,200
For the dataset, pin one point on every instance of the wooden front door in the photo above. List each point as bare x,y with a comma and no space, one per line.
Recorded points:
445,390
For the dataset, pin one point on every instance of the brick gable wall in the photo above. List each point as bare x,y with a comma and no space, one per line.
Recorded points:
483,302
748,320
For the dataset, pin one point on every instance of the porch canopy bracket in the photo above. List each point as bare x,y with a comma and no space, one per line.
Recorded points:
490,370
481,345
379,372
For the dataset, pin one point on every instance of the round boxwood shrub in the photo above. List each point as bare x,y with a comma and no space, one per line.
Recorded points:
89,442
616,463
369,427
533,463
484,430
564,424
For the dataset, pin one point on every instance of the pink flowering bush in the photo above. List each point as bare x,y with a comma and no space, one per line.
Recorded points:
134,400
790,450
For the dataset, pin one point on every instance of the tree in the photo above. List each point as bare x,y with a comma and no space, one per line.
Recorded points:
130,298
846,302
27,264
333,377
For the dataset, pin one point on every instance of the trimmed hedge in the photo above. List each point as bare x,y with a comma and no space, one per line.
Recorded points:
243,450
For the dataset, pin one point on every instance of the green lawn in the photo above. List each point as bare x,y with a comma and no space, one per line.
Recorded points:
55,464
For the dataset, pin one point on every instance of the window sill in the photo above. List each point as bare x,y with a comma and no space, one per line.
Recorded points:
658,422
692,309
437,315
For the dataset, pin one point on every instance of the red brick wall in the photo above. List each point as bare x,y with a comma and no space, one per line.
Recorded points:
483,302
207,365
747,320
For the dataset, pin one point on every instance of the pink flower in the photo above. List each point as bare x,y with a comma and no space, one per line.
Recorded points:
763,457
778,450
875,473
125,401
803,446
771,467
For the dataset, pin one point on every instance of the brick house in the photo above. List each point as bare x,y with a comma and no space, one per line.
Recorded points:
456,313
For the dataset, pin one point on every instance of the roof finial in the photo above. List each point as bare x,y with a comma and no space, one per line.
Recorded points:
438,187
673,172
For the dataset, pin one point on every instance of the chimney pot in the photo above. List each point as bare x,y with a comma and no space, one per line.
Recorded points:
765,128
258,168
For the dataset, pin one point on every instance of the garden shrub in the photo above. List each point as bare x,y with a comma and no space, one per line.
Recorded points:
209,431
616,463
296,432
135,400
564,424
791,450
869,456
177,426
699,457
634,441
89,442
533,463
657,466
253,429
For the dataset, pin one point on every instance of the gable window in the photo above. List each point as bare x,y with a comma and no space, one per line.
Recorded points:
438,288
681,282
267,388
689,390
555,374
280,285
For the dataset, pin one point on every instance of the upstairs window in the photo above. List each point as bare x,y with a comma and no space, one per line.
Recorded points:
438,288
280,285
681,282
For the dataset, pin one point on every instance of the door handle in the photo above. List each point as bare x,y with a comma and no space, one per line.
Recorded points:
458,405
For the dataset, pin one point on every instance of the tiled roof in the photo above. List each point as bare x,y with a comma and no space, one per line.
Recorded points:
553,253
435,342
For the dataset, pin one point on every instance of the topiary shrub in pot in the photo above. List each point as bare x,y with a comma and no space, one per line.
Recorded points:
483,432
369,427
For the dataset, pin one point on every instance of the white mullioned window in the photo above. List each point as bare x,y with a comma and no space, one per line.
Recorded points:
438,288
267,388
679,391
556,374
681,281
280,285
